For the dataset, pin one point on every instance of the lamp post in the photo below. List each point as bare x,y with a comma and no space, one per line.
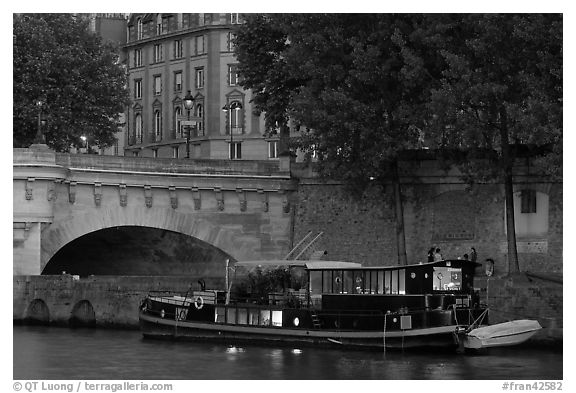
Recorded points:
39,139
188,104
234,106
85,140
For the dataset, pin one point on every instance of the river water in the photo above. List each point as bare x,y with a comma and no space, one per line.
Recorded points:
63,353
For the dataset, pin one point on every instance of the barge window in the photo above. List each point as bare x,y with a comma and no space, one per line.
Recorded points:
348,282
359,281
264,317
380,281
387,281
447,279
242,316
276,318
231,315
395,281
220,315
327,281
373,281
402,282
337,282
253,317
316,281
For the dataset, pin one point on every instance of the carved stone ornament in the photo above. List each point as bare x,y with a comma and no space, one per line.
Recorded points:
29,188
123,195
72,192
173,197
98,194
148,196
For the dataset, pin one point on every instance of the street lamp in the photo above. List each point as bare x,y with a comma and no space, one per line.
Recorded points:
234,106
85,140
39,139
188,104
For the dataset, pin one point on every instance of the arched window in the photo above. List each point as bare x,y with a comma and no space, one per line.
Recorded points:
139,29
237,117
200,124
178,122
138,127
158,124
159,24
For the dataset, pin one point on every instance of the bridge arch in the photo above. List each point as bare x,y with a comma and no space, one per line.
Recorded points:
202,226
37,313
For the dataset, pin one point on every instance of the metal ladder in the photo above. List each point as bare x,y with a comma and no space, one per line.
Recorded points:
315,320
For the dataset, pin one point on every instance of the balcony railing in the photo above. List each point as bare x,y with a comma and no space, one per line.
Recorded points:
134,139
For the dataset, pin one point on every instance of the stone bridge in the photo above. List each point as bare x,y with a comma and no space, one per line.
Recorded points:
90,214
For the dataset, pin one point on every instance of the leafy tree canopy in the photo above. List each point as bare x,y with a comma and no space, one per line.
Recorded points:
342,77
368,86
77,76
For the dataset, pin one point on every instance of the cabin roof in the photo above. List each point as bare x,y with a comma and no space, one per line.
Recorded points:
306,264
332,265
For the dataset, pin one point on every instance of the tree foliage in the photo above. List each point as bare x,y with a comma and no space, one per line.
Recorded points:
77,76
342,78
501,86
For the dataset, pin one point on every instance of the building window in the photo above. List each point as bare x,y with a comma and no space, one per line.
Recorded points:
232,75
137,88
178,121
175,152
235,117
207,19
138,57
230,41
158,53
178,81
157,84
272,149
199,78
235,150
178,51
531,214
159,29
200,122
528,201
158,125
138,127
135,154
234,19
139,29
199,45
155,153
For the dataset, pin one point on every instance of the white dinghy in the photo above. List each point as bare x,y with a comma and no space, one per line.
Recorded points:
502,334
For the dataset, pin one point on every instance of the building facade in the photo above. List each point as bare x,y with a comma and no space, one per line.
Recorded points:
171,57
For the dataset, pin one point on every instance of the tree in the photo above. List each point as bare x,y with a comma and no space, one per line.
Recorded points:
342,77
77,76
501,87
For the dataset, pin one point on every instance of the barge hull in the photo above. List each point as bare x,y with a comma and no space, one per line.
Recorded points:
161,328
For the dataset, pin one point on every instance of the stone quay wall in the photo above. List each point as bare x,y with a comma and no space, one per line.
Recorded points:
102,301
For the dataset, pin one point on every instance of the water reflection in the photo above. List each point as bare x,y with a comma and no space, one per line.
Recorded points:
61,353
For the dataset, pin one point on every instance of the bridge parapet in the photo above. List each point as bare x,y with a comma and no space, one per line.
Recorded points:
169,165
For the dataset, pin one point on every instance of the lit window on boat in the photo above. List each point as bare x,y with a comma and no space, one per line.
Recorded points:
242,316
394,281
253,317
220,315
447,279
276,318
380,280
327,281
265,317
337,282
387,281
401,282
373,282
231,315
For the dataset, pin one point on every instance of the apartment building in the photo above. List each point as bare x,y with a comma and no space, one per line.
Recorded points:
186,99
